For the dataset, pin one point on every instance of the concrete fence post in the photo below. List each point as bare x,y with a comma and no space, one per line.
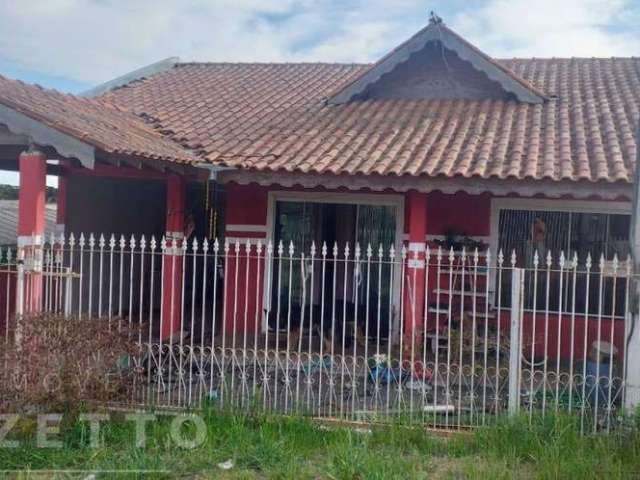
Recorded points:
20,297
515,341
67,292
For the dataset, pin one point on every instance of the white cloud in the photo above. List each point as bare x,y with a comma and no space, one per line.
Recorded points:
95,40
554,28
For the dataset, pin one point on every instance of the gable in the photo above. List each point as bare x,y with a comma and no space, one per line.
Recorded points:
432,47
435,72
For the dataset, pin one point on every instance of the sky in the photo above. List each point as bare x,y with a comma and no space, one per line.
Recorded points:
72,45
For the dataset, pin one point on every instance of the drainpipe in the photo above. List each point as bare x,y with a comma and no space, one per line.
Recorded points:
213,171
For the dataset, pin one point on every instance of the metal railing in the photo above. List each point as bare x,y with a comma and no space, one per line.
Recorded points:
449,338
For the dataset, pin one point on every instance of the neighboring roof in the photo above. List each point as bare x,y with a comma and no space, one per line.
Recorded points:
137,74
436,31
9,221
92,123
274,117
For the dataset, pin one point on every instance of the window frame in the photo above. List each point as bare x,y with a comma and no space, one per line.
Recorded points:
380,199
498,204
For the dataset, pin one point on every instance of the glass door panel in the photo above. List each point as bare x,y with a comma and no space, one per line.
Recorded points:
375,227
303,223
297,223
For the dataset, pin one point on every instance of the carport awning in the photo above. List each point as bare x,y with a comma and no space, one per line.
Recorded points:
80,127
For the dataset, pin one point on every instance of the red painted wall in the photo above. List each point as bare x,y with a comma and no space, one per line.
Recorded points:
243,286
465,214
559,327
461,212
246,204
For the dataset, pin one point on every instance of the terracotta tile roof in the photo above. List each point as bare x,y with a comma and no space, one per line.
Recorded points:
274,117
96,122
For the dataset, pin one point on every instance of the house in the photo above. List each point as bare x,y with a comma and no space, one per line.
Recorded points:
435,144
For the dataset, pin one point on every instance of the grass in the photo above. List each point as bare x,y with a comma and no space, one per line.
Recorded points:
263,446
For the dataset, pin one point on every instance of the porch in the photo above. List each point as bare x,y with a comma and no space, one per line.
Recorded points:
342,303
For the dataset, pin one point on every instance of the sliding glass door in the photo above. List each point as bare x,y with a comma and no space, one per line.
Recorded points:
361,284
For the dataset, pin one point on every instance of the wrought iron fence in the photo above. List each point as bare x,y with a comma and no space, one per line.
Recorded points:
8,280
449,338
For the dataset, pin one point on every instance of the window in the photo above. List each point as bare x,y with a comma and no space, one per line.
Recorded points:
528,232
